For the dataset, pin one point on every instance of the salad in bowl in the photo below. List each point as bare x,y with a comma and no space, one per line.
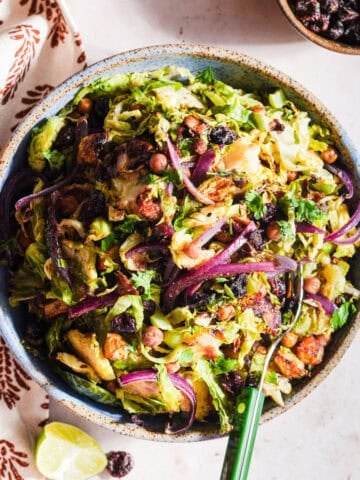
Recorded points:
156,232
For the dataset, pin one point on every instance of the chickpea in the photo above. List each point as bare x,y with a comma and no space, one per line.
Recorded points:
172,367
152,337
329,155
226,312
191,122
312,285
200,147
85,105
258,109
158,162
290,340
261,350
291,176
273,232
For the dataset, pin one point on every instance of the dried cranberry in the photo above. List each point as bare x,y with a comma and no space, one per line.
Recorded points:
123,323
222,135
252,379
119,463
256,239
231,382
65,138
270,213
149,307
98,114
278,286
198,300
94,206
238,286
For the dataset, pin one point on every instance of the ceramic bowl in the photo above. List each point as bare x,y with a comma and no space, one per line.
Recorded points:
238,70
333,45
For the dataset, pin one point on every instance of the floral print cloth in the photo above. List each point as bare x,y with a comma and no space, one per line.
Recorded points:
39,48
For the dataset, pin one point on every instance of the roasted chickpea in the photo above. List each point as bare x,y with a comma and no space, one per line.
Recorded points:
226,312
172,367
291,176
152,337
191,122
158,162
312,285
329,155
85,105
290,340
273,231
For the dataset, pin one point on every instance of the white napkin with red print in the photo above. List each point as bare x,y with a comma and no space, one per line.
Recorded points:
39,48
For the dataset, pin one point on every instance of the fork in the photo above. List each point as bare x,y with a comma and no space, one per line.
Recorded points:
248,410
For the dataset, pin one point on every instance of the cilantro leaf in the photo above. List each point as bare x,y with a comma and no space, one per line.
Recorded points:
149,179
271,377
285,230
224,365
144,279
307,211
206,76
171,176
255,204
342,315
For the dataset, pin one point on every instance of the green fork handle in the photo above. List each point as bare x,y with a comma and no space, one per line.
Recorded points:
242,438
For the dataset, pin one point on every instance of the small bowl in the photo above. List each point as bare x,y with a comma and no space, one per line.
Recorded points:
333,45
233,68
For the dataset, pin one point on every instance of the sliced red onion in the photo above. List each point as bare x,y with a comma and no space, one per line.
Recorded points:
219,259
179,382
52,239
92,303
344,177
304,227
209,233
349,240
81,130
145,248
193,278
202,167
188,164
352,223
171,272
169,188
175,160
327,305
47,191
285,264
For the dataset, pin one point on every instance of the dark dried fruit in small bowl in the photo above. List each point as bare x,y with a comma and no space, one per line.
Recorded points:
119,463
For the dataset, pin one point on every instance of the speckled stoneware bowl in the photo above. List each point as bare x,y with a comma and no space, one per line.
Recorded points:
333,45
238,70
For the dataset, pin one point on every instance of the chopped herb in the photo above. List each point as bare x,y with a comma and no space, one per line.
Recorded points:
342,315
128,225
144,279
171,176
149,179
286,230
224,365
206,76
185,146
255,204
307,211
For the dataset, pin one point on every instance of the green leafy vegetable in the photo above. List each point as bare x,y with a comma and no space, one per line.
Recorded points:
342,315
206,76
88,388
307,211
255,204
224,365
286,230
144,279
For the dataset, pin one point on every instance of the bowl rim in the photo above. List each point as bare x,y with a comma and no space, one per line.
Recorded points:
85,76
333,45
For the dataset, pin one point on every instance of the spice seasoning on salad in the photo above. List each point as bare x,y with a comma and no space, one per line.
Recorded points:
155,250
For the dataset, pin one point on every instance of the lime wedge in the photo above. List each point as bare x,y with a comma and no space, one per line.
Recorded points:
64,452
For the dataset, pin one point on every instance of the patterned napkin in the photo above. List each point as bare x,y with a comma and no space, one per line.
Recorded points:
39,49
